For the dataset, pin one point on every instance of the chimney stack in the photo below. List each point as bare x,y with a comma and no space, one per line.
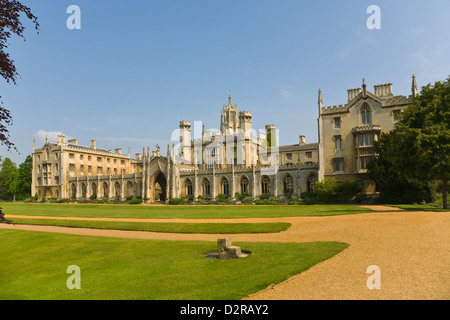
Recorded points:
93,144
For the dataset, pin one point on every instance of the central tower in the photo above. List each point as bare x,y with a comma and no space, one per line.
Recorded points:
229,117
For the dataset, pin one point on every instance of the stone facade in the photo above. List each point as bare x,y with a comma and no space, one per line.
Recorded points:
235,159
347,132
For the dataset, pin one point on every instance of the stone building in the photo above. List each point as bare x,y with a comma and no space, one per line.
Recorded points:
230,161
347,132
233,160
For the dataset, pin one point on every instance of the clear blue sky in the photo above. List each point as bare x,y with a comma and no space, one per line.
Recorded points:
136,68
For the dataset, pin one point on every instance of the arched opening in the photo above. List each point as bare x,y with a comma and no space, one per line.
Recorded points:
188,190
311,183
117,190
129,189
244,185
74,191
288,185
206,187
224,187
265,185
159,186
94,190
105,191
83,191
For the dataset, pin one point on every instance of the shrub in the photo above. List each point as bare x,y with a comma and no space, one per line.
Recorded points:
325,190
28,200
134,201
177,201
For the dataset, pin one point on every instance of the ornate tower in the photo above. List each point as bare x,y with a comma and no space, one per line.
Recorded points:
229,117
185,140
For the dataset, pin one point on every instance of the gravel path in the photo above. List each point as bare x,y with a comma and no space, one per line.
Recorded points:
412,250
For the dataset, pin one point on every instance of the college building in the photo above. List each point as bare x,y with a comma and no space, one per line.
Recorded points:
235,160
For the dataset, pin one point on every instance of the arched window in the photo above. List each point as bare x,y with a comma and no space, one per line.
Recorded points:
265,185
206,187
130,189
288,184
94,189
117,188
105,191
188,185
311,183
224,186
244,185
83,191
365,115
74,191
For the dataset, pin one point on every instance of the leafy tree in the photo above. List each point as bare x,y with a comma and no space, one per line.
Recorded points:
325,190
8,175
393,187
22,185
10,23
420,146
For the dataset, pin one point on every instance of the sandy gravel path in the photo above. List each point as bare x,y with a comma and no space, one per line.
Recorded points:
412,250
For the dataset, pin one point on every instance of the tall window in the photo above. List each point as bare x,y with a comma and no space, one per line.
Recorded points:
105,190
311,183
244,185
224,186
189,187
74,191
366,140
288,184
365,115
83,191
206,187
265,185
94,189
338,141
337,123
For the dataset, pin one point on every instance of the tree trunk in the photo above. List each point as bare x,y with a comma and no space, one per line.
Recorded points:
444,193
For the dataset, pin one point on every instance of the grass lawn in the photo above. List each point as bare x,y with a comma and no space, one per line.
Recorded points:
34,266
176,212
421,207
211,228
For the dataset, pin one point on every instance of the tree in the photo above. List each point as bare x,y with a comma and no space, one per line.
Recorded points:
421,141
393,187
21,186
8,176
10,23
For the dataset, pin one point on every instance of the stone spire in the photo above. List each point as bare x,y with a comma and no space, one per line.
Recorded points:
414,86
320,101
364,88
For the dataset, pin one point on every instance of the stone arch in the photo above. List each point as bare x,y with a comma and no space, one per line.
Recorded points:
288,184
311,181
224,186
83,190
188,189
117,190
94,189
129,190
159,187
105,190
244,184
73,190
266,184
206,187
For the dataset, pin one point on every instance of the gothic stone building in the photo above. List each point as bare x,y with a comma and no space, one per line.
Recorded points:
235,159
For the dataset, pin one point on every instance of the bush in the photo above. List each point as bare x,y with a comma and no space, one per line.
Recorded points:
28,200
177,201
134,201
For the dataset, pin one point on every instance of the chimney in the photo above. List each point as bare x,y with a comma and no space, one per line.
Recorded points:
138,156
93,144
302,140
382,90
352,93
118,151
61,140
73,141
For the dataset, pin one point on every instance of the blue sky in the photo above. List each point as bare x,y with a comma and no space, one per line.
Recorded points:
136,68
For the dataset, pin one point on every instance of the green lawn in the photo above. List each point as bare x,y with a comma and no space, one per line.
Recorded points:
33,266
176,212
421,207
210,228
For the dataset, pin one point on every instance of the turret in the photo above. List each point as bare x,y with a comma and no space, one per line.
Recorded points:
185,140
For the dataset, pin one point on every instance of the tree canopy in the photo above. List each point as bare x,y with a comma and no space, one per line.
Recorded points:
419,146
